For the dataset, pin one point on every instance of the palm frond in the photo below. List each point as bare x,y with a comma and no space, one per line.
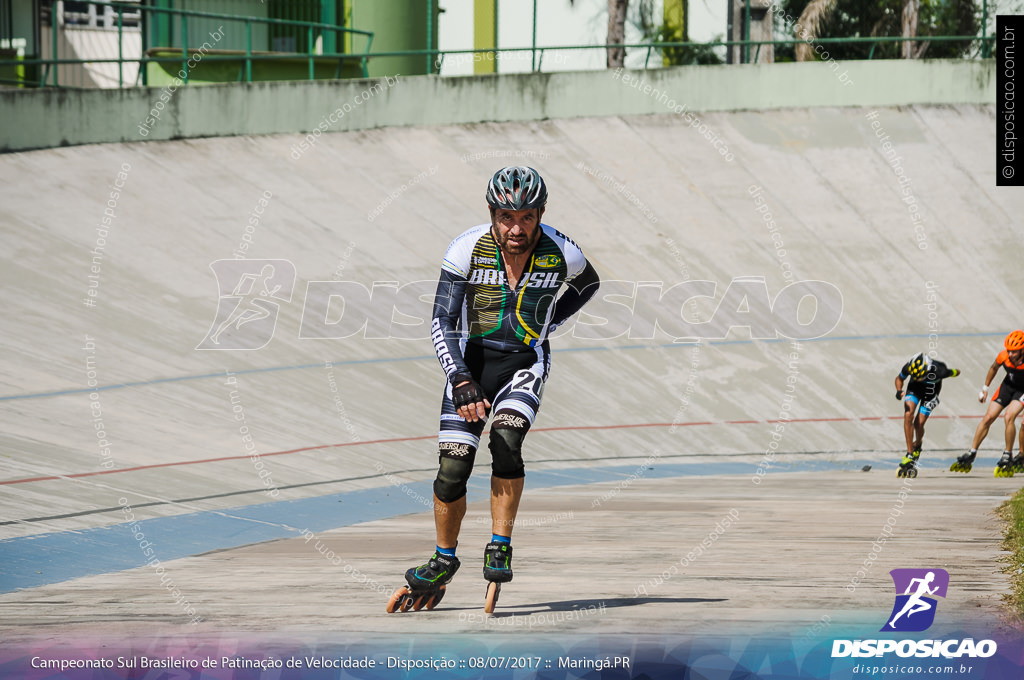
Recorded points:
811,21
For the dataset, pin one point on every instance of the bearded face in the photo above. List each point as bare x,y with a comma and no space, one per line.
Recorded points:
516,231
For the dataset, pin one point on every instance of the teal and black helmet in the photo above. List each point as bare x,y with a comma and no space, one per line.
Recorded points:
517,188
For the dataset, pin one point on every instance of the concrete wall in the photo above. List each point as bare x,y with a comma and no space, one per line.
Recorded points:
47,118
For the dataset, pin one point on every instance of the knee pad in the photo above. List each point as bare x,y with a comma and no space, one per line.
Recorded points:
506,445
454,471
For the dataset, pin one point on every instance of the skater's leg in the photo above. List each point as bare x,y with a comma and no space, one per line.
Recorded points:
1005,465
448,521
514,408
507,471
505,496
908,422
427,582
1012,411
450,494
994,409
922,418
456,448
1018,462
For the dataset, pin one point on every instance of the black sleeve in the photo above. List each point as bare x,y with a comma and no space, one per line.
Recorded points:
578,293
444,330
942,371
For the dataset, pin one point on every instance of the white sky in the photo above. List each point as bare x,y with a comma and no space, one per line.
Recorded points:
558,23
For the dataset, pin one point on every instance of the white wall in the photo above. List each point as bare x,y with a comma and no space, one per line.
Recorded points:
584,22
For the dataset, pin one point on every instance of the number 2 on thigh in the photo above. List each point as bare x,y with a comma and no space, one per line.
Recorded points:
525,381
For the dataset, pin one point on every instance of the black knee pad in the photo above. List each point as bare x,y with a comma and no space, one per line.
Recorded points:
506,445
454,471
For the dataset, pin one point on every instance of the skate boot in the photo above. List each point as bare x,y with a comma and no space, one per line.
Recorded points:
1004,468
908,466
497,570
1018,463
963,463
426,584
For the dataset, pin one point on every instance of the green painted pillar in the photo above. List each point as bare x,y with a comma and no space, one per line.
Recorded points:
162,25
485,35
329,15
674,17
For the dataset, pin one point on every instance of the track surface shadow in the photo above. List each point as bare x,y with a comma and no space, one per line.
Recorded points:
607,603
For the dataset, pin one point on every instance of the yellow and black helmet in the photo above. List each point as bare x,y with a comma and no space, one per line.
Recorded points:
920,364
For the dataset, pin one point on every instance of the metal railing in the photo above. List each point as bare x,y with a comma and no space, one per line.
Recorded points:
132,17
133,13
537,53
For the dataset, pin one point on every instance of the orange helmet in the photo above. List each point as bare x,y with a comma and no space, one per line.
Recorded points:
1014,341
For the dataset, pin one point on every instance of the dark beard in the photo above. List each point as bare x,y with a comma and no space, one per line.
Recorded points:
507,247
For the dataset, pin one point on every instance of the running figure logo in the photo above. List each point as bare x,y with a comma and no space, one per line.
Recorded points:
247,311
914,611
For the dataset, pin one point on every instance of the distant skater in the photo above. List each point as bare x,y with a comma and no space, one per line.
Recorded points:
1010,396
922,377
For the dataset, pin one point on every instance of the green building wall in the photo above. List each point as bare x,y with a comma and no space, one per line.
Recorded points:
397,26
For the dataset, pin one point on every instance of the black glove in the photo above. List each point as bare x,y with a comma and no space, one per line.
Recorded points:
899,395
466,394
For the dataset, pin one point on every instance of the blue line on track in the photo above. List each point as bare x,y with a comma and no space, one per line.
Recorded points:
355,362
41,559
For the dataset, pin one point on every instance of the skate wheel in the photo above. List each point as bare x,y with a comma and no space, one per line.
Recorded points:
435,599
399,599
493,590
418,602
912,473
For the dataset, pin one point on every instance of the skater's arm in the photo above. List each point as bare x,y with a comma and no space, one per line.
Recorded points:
444,330
989,377
901,379
992,371
577,294
940,371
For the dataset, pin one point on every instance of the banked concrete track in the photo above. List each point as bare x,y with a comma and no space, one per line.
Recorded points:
641,435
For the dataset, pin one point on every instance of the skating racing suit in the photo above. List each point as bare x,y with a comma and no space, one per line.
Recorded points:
489,332
1012,387
926,390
